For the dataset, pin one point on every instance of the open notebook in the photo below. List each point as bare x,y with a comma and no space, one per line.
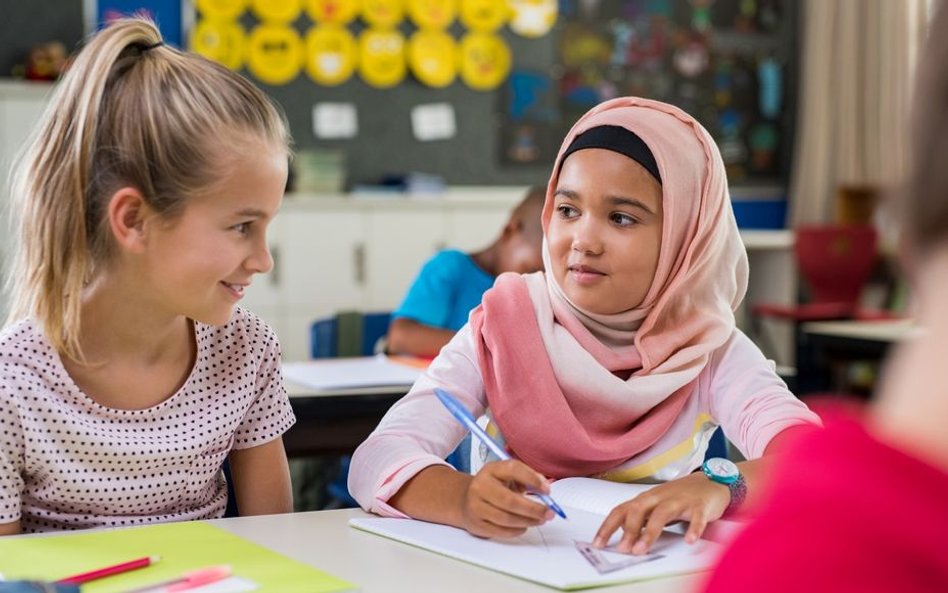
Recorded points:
557,554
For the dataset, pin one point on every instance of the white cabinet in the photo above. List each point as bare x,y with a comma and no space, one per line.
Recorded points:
398,241
333,253
21,108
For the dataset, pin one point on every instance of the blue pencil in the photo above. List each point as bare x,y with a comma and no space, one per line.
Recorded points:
464,417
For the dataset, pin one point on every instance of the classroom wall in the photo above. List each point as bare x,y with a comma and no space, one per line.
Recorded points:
475,156
385,142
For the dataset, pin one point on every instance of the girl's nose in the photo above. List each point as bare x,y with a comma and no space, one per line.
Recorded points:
260,261
587,237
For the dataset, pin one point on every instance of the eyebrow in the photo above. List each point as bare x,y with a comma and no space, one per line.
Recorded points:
251,212
613,200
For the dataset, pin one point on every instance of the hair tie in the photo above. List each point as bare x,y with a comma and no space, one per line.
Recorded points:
145,48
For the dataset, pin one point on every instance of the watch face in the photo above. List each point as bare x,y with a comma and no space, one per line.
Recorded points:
721,467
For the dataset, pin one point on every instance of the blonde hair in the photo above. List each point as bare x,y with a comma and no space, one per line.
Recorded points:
130,111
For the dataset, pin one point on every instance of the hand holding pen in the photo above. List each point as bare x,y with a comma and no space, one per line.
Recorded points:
494,502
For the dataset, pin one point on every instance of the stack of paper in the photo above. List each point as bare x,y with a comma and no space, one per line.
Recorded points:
336,374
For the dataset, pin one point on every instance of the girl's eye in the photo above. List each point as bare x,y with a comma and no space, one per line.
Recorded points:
622,219
566,211
243,228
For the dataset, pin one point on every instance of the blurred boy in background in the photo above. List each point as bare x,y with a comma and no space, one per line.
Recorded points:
452,282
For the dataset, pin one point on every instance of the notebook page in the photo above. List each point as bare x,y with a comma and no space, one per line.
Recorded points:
545,554
594,496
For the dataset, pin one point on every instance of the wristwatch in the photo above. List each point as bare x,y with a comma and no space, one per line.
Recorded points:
724,471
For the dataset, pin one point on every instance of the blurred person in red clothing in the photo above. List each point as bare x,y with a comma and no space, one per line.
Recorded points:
863,505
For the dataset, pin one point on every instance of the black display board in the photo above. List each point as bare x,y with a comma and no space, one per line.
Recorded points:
507,136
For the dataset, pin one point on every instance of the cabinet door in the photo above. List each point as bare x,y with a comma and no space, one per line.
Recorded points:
400,241
323,256
21,109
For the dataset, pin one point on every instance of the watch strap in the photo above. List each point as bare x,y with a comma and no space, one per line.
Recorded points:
738,490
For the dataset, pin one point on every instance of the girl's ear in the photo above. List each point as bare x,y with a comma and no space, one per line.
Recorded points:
513,227
127,212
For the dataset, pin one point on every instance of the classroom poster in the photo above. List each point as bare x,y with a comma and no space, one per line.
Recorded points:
170,15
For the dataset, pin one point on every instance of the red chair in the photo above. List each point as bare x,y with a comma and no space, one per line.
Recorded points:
834,262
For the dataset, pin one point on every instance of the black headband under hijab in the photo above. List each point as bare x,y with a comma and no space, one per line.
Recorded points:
616,139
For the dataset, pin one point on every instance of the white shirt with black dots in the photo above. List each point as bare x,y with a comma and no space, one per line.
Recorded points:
67,462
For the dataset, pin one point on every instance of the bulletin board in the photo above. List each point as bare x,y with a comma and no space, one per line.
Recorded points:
438,69
730,63
173,17
509,135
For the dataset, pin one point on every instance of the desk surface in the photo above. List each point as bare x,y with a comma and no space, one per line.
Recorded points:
335,421
379,565
776,239
875,331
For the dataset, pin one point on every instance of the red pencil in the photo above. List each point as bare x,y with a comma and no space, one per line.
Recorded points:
101,573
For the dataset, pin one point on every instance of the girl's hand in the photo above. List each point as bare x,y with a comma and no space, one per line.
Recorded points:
693,498
494,504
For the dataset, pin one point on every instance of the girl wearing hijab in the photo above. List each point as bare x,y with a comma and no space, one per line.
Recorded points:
618,362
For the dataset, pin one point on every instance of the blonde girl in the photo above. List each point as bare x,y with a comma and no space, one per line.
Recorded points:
128,374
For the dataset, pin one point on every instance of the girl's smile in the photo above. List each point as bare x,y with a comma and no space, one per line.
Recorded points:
236,290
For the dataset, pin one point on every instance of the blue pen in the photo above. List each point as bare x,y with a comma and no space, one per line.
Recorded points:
465,418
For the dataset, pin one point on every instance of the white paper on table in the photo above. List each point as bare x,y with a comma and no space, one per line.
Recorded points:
350,373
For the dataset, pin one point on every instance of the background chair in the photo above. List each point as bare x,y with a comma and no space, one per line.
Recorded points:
835,263
348,333
231,509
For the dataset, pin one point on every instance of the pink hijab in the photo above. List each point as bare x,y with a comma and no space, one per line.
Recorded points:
554,380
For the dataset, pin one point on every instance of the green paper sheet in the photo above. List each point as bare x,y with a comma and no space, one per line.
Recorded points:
181,546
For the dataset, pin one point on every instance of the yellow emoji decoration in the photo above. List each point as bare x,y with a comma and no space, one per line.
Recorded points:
532,18
432,14
484,16
330,54
382,57
221,41
485,61
221,9
339,12
432,57
275,54
277,11
383,14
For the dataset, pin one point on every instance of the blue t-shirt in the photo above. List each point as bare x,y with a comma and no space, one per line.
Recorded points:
448,286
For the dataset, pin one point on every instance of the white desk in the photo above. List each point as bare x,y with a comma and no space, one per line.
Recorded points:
379,565
828,345
889,331
336,421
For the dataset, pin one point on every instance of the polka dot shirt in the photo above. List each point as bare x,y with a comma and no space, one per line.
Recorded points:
67,462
